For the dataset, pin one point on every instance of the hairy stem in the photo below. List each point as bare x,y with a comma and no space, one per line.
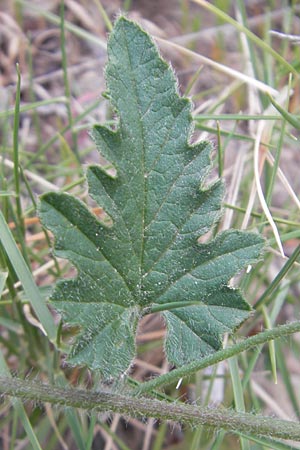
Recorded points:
221,355
141,407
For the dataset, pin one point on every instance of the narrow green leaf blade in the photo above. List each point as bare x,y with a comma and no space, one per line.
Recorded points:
3,277
159,205
26,278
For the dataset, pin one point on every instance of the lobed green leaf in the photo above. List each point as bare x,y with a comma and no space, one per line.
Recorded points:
149,259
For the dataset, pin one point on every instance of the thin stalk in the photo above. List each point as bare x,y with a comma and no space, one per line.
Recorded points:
160,437
255,39
105,17
220,152
272,351
291,118
127,5
34,204
57,135
196,442
237,393
16,151
260,216
53,18
218,441
26,278
212,130
281,274
66,79
221,355
268,443
240,116
115,437
243,13
33,105
14,430
271,181
32,96
286,377
140,407
19,408
192,82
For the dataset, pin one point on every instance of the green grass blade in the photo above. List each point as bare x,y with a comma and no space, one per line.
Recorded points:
19,408
75,428
287,379
239,117
26,278
243,14
270,183
255,39
271,344
90,432
295,255
3,276
53,18
238,393
72,419
115,437
269,443
65,76
290,118
33,105
160,437
16,151
57,136
104,15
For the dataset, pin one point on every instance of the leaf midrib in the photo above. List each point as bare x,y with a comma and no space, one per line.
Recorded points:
179,229
142,139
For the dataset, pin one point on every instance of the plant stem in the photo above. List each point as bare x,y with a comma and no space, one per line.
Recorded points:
66,79
16,157
141,407
221,355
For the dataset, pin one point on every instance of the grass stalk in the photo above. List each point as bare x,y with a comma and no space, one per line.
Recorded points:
281,274
27,280
16,153
66,78
255,39
19,408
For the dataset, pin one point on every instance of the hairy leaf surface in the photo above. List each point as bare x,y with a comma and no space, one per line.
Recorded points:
149,259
